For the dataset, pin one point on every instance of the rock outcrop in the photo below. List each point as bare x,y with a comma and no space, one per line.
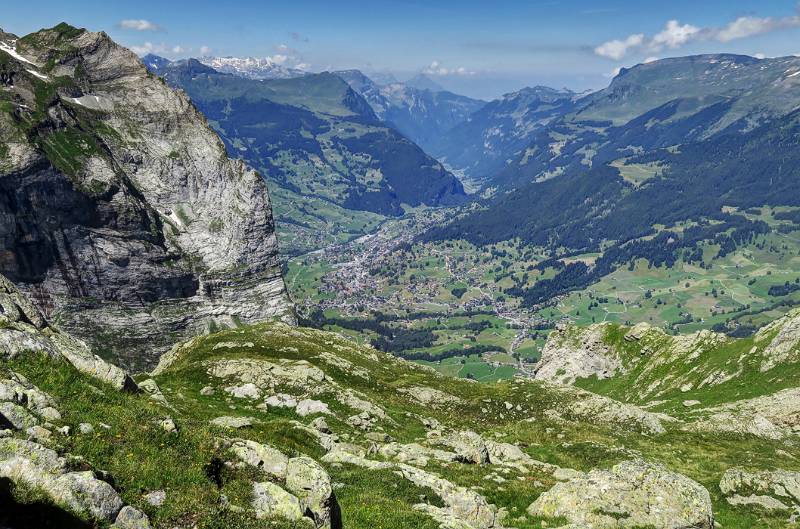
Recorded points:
23,329
122,215
571,353
775,490
775,416
631,494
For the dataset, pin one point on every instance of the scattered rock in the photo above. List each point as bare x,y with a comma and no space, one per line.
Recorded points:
770,489
207,391
150,387
320,425
429,396
245,391
640,493
281,400
464,505
233,422
310,407
469,447
84,493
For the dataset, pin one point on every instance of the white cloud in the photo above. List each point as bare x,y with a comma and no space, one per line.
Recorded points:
617,49
139,25
205,50
436,68
650,59
178,49
760,56
149,47
279,59
674,35
744,27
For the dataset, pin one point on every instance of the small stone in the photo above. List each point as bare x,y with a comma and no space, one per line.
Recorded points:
156,498
207,391
168,425
38,433
64,430
131,518
85,428
320,425
691,403
281,400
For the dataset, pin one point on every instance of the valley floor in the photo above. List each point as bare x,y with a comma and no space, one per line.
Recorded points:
452,305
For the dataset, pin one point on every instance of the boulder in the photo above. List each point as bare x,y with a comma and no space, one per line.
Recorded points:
131,518
16,416
310,482
269,460
270,500
469,447
310,407
84,493
631,494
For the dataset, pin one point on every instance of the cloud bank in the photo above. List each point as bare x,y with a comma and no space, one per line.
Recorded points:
675,34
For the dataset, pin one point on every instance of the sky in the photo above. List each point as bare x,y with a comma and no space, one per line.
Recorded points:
479,48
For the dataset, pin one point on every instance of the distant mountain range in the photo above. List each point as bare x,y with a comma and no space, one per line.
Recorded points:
252,67
320,144
668,142
418,108
493,135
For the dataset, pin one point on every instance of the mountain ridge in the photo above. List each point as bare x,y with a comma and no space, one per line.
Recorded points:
126,212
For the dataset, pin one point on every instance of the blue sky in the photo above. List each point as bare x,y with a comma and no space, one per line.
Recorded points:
481,48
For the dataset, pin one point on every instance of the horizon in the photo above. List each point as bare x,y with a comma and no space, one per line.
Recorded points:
467,47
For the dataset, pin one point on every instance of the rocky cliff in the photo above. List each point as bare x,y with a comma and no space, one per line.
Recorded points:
122,215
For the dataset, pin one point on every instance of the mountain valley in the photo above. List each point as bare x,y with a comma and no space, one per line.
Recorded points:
239,294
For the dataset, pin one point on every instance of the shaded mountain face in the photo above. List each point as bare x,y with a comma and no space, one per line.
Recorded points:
123,217
315,137
492,136
670,142
423,82
424,115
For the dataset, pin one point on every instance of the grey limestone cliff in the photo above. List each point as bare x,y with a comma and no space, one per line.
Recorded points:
121,215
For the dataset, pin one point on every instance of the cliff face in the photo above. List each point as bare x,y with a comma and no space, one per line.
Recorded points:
120,213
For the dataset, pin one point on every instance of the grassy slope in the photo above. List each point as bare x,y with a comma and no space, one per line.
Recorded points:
143,458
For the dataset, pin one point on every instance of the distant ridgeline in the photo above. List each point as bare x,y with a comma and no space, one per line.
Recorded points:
650,167
315,136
